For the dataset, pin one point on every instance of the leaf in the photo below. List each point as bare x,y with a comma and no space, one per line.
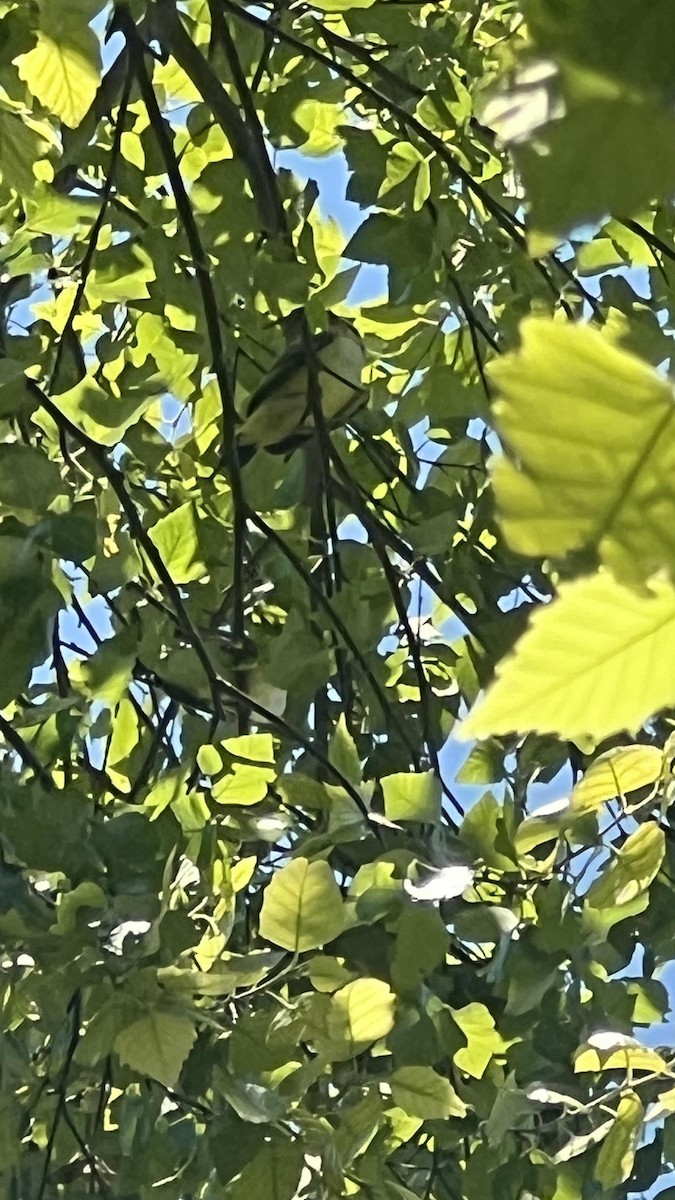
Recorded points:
412,797
608,1051
344,754
302,907
250,1100
274,1174
28,480
361,1013
421,1092
590,432
63,70
595,661
632,870
157,1044
245,784
617,1152
176,536
483,1042
604,156
320,121
618,772
342,5
23,143
28,603
100,415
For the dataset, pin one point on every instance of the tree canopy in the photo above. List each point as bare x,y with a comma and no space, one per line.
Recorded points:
261,939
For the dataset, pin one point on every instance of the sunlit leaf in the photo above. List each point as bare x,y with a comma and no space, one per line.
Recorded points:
63,70
632,869
594,661
302,907
620,771
617,1152
590,436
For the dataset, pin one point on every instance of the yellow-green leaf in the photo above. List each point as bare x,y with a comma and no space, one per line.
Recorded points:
632,870
597,660
617,1153
63,70
608,1051
483,1041
157,1044
412,797
302,908
422,1092
589,430
361,1013
176,536
621,770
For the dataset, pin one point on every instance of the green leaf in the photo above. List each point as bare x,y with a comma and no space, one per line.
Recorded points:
23,143
421,1092
302,907
361,1013
590,432
409,797
250,1100
632,870
29,482
274,1174
483,1041
595,661
64,69
157,1044
176,536
342,5
344,754
618,772
103,417
605,156
608,1051
320,122
28,603
245,784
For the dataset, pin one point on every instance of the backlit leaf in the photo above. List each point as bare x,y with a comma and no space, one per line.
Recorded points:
302,907
594,661
632,869
620,771
617,1152
590,434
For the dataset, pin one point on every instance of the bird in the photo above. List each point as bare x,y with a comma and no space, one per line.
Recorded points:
279,414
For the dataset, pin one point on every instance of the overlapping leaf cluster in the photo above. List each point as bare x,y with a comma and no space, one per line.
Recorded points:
252,943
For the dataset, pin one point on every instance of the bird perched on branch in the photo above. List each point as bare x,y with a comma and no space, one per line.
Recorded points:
280,413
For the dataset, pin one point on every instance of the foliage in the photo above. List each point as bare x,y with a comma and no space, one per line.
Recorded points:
253,943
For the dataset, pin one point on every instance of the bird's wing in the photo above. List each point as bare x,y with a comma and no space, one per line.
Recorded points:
293,359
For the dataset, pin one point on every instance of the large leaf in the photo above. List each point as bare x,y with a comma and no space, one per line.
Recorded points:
412,797
422,1092
606,156
594,661
590,436
157,1044
302,907
64,68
